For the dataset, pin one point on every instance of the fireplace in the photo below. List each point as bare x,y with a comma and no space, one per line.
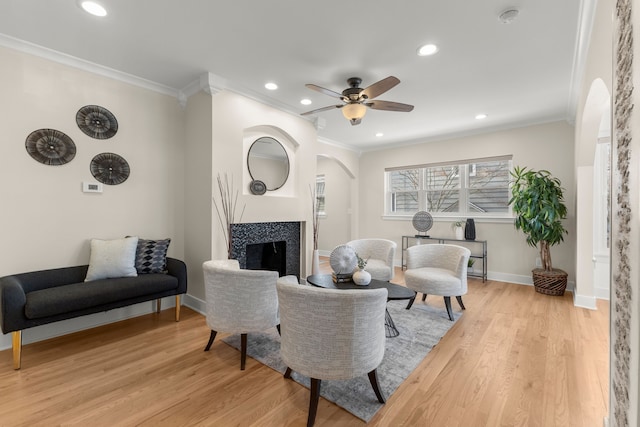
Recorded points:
267,256
276,244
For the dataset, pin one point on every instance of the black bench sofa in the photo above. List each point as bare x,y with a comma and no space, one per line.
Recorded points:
41,297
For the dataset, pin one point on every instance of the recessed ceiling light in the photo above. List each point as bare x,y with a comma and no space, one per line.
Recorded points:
379,134
427,49
271,86
93,8
481,116
305,101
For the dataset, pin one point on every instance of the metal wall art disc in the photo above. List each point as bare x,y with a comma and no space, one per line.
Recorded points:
50,147
97,122
109,168
422,221
257,187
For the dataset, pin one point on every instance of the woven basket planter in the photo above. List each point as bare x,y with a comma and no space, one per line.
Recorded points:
550,282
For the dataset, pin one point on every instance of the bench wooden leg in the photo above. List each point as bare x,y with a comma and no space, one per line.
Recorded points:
17,348
177,308
158,305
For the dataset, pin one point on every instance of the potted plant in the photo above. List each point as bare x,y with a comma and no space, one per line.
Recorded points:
457,228
361,276
538,202
470,265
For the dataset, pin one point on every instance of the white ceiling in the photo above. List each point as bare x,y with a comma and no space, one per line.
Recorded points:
519,73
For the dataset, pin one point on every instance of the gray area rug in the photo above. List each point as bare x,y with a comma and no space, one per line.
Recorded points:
420,330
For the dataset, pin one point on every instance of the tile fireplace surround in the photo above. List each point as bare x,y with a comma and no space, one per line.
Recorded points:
267,232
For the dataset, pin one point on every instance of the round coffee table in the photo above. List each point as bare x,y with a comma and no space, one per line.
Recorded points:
395,292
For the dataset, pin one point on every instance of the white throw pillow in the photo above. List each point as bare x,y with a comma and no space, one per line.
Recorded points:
112,258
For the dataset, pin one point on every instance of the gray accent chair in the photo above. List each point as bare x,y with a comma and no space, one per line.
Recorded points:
330,334
438,269
239,301
380,253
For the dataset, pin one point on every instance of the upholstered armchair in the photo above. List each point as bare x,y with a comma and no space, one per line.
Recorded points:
438,270
380,253
239,301
330,334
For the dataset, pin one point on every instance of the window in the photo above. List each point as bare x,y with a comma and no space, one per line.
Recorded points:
320,199
478,187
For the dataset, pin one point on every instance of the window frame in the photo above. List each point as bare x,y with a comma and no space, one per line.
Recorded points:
466,169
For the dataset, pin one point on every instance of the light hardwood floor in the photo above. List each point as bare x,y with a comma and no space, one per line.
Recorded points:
515,358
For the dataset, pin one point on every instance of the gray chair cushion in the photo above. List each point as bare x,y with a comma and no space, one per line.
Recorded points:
79,296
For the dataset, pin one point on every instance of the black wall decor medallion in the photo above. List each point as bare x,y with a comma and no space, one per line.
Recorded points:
97,122
257,187
109,168
50,147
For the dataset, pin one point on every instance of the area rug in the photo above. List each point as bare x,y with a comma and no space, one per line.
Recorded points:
420,330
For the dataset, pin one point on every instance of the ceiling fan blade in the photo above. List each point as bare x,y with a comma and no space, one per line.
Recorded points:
389,106
330,107
380,87
324,90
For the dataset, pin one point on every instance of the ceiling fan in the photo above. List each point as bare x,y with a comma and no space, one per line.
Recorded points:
356,99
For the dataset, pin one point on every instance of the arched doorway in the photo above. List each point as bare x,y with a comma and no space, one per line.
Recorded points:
596,119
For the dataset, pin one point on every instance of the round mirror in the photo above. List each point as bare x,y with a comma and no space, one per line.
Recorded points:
268,162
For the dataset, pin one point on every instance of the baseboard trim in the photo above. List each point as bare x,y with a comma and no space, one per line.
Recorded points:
584,301
195,304
602,293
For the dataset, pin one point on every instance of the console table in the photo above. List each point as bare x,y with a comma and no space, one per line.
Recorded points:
478,250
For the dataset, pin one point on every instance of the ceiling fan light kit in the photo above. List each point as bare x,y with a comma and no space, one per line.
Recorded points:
356,99
354,112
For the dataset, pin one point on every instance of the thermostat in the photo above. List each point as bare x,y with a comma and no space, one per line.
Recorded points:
91,187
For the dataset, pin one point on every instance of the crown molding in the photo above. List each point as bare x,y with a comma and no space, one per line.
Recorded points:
81,64
586,19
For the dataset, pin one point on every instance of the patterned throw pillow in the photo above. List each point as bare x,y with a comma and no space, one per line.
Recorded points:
151,256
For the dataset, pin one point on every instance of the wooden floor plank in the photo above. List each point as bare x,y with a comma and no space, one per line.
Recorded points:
515,357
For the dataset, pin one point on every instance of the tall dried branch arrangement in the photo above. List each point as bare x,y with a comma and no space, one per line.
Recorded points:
315,215
226,208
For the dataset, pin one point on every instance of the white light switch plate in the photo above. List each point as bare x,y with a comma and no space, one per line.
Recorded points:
91,187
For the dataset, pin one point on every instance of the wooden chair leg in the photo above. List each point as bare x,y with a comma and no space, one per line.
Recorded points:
459,298
313,401
373,379
17,349
424,297
211,338
177,308
447,303
243,351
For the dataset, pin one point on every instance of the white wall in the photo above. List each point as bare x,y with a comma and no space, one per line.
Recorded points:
335,228
545,146
198,190
47,221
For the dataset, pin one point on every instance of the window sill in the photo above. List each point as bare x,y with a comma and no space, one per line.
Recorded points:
481,219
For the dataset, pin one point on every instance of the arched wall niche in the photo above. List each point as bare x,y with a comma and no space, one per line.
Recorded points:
291,146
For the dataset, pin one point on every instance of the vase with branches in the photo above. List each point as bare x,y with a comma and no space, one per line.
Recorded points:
226,208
